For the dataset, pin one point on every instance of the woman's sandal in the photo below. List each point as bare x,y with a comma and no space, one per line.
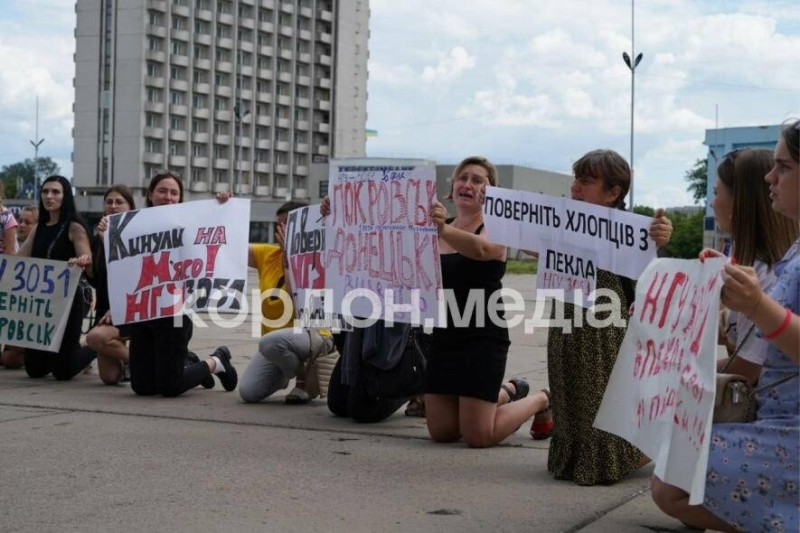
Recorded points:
542,430
521,389
416,407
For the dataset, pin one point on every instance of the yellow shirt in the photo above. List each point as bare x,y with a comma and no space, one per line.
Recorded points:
269,263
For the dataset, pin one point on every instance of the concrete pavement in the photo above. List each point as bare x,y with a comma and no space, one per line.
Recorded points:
80,456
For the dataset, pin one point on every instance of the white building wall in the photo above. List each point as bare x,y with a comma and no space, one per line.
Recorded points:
179,70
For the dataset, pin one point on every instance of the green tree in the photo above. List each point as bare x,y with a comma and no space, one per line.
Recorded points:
687,235
644,210
696,177
25,172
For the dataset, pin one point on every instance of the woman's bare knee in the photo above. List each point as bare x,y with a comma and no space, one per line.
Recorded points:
478,439
444,436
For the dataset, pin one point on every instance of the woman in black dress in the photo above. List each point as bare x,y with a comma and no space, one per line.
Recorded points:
465,396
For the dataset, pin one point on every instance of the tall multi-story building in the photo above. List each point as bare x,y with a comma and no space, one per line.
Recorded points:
234,95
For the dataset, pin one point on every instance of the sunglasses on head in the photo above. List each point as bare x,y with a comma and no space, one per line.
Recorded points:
161,172
733,153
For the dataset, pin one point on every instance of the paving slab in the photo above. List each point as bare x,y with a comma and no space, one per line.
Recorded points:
81,456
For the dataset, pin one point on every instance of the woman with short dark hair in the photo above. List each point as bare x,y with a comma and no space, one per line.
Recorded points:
579,363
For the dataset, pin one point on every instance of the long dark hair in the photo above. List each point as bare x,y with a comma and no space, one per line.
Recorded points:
67,213
758,231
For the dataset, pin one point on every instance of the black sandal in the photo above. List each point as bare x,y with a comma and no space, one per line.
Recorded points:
416,407
521,389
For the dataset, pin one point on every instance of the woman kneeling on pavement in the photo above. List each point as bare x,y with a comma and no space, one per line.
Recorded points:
159,349
108,341
579,363
464,393
61,235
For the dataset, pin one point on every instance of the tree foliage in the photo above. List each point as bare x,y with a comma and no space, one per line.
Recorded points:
696,177
644,210
687,235
24,172
687,232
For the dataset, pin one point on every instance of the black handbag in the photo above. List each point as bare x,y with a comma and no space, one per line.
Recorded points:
405,380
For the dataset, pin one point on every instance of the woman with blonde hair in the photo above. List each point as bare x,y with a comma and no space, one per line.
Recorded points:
465,396
28,218
8,227
12,356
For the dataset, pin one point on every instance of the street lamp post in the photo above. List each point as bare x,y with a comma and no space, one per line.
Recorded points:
239,115
36,144
237,111
632,64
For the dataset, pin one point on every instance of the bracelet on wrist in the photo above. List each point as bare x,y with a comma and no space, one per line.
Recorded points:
784,325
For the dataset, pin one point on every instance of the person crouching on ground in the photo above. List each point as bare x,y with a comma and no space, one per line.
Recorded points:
282,351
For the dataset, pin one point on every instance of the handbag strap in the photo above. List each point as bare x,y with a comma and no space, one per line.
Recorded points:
780,381
736,351
53,242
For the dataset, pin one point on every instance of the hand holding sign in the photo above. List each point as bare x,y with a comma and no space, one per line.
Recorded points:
661,228
742,290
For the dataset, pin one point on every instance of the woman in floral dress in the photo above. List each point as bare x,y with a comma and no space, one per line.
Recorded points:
754,468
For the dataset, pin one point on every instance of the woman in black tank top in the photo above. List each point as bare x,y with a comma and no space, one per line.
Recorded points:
61,235
464,395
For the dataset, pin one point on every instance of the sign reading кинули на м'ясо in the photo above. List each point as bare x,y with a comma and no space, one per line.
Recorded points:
161,258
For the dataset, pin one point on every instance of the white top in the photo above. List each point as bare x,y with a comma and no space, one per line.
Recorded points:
754,348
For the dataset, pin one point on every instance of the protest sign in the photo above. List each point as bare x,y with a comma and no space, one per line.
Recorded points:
305,249
527,220
162,258
382,251
660,397
35,300
570,270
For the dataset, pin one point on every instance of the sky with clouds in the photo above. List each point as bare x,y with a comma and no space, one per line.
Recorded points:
531,82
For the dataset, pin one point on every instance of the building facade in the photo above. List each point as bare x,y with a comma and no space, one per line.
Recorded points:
234,95
721,142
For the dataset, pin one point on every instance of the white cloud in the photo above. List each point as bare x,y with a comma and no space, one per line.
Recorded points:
450,67
36,47
518,80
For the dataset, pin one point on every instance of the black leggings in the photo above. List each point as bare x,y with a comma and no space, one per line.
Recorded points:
352,401
157,358
71,358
